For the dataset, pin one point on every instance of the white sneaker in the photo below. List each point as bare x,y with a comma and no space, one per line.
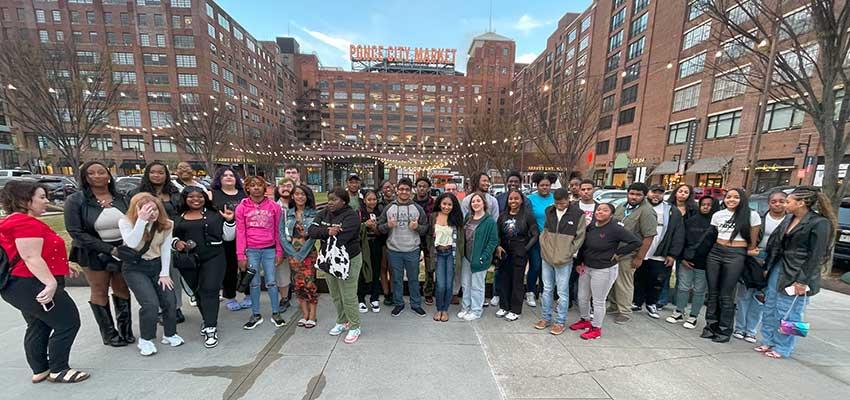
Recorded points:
462,314
470,316
193,301
529,299
338,329
376,306
362,308
652,311
146,347
501,313
494,301
511,317
210,337
352,336
690,323
172,341
738,335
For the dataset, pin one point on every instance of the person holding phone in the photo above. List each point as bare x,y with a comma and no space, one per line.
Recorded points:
36,285
147,231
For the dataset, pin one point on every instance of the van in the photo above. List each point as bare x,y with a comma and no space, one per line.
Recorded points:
14,172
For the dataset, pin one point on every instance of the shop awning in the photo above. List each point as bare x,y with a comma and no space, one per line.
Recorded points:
710,165
666,168
133,164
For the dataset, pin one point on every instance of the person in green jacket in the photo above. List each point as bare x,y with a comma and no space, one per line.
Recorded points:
445,244
482,236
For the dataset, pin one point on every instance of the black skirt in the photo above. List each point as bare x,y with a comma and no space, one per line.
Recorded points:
92,259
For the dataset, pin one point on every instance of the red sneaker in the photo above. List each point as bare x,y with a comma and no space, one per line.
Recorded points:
581,324
592,333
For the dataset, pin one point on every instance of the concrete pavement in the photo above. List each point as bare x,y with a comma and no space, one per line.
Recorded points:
409,357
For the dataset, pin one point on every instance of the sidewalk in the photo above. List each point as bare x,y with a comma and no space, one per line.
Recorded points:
416,358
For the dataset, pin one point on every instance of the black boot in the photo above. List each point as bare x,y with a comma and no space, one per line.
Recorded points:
124,319
107,327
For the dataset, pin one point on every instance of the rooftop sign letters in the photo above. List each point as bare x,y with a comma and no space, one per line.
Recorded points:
402,54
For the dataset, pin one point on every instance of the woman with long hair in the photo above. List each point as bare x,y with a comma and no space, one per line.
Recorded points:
372,246
200,231
388,195
796,251
91,219
36,286
300,251
518,234
227,190
737,237
446,244
147,231
683,199
481,237
539,200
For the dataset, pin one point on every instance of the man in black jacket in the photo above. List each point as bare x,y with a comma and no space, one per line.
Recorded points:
665,249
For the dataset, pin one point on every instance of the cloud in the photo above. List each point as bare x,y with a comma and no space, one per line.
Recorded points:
526,58
527,23
335,42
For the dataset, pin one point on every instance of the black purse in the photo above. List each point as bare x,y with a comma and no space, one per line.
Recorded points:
129,255
245,279
186,260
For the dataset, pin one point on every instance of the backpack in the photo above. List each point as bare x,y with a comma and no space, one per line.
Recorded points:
6,267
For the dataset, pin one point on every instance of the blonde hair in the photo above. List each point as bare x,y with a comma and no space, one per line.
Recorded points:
162,222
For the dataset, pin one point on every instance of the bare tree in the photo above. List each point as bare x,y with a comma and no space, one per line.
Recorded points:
560,121
494,138
65,95
266,150
204,125
795,53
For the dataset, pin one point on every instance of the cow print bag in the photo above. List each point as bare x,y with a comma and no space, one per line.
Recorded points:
334,259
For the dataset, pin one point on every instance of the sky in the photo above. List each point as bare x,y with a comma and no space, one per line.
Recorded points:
328,27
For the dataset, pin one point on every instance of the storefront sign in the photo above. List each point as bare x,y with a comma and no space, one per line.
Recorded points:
402,54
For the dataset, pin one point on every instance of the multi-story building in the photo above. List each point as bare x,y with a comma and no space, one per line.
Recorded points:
665,115
168,54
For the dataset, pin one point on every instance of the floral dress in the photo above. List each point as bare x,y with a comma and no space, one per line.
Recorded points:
303,272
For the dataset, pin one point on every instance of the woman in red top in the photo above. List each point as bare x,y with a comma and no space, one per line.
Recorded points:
36,287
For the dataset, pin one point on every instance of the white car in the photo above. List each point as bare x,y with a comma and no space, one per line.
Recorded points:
497,189
14,172
607,196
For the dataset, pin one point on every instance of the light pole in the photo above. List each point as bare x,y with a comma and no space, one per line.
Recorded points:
801,174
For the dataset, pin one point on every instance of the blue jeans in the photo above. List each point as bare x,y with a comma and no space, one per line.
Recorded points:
555,276
262,260
473,289
749,311
688,279
535,262
776,304
408,262
445,269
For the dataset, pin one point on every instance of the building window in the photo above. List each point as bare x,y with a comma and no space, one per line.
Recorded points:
132,142
187,80
602,147
156,78
608,104
695,9
184,42
696,35
730,84
159,98
130,118
632,73
796,24
605,122
639,5
690,66
617,20
155,59
613,62
629,95
609,84
571,37
43,36
216,86
686,98
186,61
782,116
679,132
585,41
124,78
101,143
626,116
60,36
639,25
181,3
615,41
88,57
144,40
723,125
159,119
224,22
734,48
585,23
211,30
623,144
122,58
741,13
801,61
227,74
39,16
163,145
636,49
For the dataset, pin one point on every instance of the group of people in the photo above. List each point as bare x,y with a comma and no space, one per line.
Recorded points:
558,247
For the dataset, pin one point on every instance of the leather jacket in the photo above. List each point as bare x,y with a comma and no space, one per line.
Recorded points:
81,212
801,252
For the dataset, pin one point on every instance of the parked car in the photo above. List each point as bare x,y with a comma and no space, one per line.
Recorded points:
497,189
618,202
526,189
126,184
606,196
842,237
5,179
436,191
717,193
58,187
14,172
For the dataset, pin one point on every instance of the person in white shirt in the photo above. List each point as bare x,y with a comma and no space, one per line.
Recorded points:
737,237
585,200
750,300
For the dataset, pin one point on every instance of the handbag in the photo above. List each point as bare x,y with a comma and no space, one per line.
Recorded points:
334,259
186,260
245,279
129,255
794,328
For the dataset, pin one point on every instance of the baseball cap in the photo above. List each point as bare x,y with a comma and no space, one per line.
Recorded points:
353,176
657,188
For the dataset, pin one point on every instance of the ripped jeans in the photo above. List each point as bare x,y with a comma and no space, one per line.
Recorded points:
262,260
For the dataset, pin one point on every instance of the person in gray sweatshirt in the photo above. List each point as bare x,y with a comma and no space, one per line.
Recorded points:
405,222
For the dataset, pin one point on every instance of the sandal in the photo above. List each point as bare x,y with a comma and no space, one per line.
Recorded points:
774,355
69,376
445,317
310,324
762,349
437,315
233,305
38,378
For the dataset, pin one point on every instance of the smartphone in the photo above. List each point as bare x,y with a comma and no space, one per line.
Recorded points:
48,306
792,292
372,217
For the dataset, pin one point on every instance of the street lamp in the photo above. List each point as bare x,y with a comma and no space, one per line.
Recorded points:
801,174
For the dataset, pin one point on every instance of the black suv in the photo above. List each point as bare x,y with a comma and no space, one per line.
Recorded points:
842,237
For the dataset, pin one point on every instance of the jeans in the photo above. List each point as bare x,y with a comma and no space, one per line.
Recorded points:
595,283
687,280
205,282
473,289
50,334
555,276
445,266
648,281
144,283
401,262
535,264
749,310
776,305
262,260
344,294
723,269
664,293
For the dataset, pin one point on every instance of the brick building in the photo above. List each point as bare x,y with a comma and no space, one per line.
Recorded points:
666,117
169,53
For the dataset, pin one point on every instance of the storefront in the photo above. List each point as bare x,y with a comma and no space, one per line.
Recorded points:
772,173
668,174
133,167
710,172
620,171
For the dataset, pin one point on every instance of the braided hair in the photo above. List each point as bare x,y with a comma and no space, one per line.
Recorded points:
816,201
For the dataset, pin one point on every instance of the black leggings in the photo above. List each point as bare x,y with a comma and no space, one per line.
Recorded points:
50,334
205,282
723,269
231,272
512,291
373,289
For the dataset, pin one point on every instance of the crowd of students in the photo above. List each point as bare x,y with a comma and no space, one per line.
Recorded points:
558,247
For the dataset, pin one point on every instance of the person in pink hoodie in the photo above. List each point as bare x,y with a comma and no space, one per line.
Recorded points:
258,246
